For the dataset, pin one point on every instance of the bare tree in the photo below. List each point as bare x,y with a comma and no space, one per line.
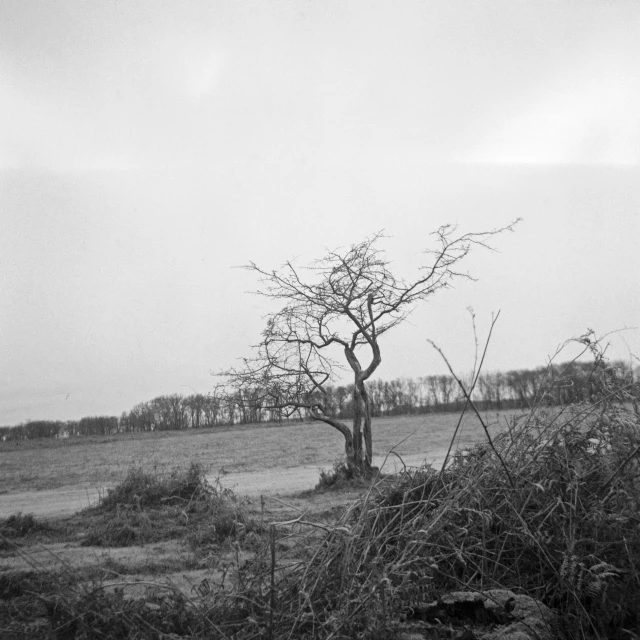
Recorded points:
344,302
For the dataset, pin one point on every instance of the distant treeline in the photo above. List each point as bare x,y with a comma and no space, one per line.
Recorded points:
554,385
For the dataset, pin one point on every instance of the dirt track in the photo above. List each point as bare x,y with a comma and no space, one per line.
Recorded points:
68,500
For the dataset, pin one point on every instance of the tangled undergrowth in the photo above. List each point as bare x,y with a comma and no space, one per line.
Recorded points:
549,509
559,522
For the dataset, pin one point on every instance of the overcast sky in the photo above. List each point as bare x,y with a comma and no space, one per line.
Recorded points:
148,147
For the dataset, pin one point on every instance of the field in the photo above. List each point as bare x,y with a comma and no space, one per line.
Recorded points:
94,462
57,478
537,536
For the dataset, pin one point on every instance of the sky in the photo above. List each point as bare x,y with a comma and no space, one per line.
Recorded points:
149,148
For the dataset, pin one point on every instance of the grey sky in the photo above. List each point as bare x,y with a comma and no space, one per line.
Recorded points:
148,147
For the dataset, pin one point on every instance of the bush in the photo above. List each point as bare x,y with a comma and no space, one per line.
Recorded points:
17,525
550,511
149,507
126,528
340,475
141,489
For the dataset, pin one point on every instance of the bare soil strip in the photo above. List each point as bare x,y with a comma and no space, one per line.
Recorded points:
50,503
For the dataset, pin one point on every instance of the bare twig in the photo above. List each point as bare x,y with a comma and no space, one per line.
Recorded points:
468,399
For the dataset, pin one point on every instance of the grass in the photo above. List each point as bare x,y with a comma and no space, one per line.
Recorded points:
549,509
562,526
148,508
340,476
100,461
18,527
65,600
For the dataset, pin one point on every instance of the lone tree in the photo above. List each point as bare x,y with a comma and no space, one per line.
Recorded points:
344,302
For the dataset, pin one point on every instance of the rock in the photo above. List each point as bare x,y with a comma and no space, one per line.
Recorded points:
496,614
533,620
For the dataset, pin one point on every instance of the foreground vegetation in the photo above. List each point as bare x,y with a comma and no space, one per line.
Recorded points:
547,508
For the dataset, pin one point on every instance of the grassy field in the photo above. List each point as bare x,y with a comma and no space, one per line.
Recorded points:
100,461
540,533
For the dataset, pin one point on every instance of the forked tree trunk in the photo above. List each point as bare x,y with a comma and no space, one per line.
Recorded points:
368,439
361,429
357,430
362,410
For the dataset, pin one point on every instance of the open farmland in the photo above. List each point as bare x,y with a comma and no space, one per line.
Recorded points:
171,555
91,462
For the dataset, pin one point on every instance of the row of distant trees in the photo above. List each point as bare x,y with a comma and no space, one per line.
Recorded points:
555,385
520,389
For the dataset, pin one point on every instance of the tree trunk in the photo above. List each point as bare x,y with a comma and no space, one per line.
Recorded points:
359,412
368,440
362,409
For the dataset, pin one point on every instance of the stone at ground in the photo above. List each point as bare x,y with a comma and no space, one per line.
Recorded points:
497,614
534,620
